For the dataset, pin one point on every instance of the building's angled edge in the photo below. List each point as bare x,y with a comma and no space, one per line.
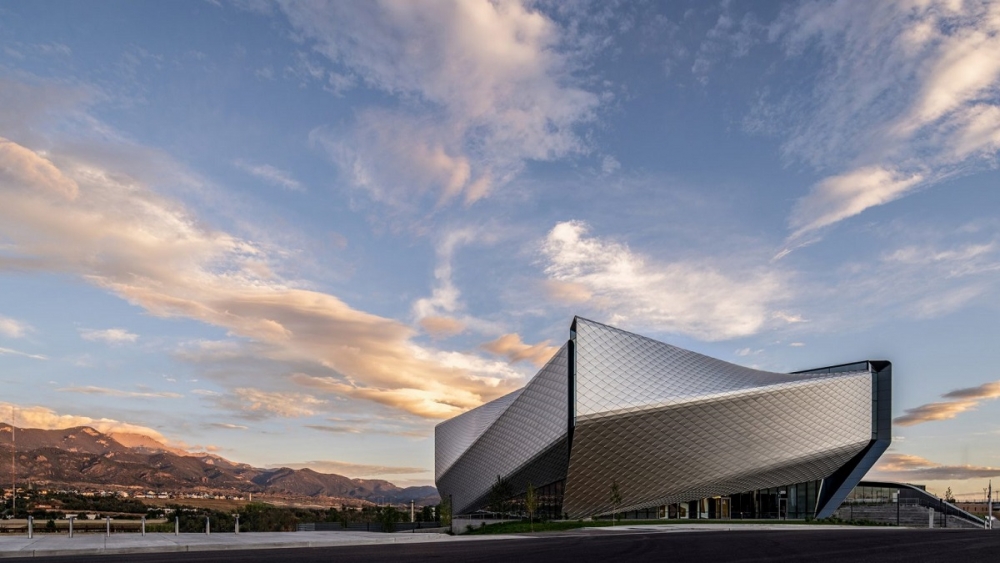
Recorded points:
525,443
837,486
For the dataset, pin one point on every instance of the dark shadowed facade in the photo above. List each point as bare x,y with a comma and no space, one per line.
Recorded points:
682,434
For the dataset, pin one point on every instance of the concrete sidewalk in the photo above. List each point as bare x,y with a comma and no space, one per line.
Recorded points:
44,545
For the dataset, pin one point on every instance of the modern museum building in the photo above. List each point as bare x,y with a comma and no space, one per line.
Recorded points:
677,434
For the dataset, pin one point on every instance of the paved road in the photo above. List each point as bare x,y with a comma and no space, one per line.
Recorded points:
855,545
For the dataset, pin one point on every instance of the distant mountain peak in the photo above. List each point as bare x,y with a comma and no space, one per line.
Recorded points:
84,457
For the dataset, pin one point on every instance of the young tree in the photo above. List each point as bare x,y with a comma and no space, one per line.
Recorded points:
616,501
500,492
948,496
531,504
444,511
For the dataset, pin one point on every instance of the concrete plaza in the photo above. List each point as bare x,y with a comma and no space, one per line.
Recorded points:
132,543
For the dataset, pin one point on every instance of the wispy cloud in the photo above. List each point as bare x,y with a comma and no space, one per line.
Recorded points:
109,335
24,354
914,469
119,235
959,401
907,96
271,175
92,390
13,328
511,347
482,108
288,405
438,326
435,313
228,426
694,298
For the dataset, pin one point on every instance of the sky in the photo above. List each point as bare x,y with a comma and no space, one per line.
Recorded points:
302,234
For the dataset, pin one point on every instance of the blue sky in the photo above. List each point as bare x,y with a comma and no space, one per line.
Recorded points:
304,233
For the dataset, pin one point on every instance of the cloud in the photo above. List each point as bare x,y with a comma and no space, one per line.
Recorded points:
22,166
442,326
693,298
288,405
962,260
567,292
24,354
109,335
13,328
227,426
914,469
92,390
475,110
271,175
961,400
511,347
355,470
907,96
47,419
121,236
839,197
435,314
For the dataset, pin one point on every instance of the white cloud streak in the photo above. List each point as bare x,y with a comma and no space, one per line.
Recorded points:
907,96
271,175
93,390
23,354
693,298
108,335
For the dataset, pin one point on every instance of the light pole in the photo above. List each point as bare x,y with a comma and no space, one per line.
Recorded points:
13,464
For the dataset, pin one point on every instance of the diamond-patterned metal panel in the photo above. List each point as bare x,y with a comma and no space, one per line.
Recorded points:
617,371
524,440
668,425
757,438
453,436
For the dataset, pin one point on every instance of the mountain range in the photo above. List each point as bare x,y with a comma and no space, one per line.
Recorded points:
82,457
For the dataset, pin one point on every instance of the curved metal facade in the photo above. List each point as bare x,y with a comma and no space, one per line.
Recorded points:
667,425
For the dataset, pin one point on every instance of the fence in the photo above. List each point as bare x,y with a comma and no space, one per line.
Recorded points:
364,526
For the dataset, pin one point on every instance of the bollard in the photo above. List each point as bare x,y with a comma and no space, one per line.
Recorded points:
208,529
237,523
71,518
143,525
31,527
177,525
107,522
930,518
